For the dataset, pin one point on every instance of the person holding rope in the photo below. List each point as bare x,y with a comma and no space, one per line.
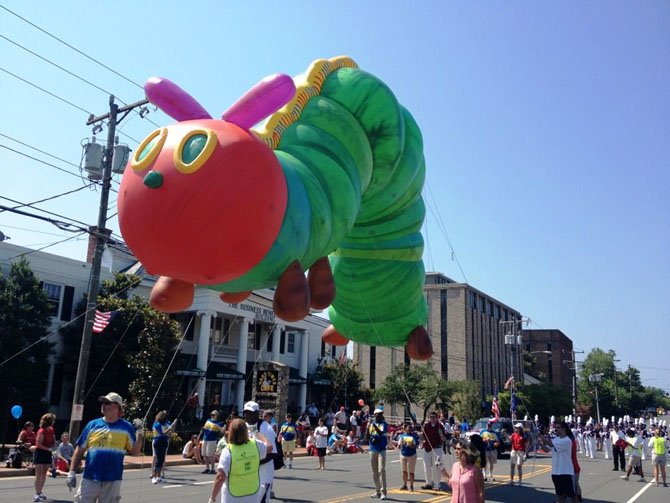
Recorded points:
377,440
161,429
433,440
105,441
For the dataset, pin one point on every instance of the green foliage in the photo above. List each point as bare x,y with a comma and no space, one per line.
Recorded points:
465,401
420,385
130,356
24,320
542,399
346,382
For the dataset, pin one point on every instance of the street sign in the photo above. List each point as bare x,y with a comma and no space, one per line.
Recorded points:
77,412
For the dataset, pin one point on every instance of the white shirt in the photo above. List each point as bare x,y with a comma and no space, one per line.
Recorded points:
321,437
224,466
267,470
353,420
341,417
561,457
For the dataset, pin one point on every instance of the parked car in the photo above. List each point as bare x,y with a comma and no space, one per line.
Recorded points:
503,428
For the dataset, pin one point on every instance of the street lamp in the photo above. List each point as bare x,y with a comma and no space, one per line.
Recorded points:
595,379
513,341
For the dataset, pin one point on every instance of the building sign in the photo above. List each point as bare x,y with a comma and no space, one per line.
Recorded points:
77,412
191,373
260,313
267,381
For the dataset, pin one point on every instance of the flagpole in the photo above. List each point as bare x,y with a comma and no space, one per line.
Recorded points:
100,234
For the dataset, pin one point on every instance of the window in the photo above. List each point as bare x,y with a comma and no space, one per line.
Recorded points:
268,346
323,348
251,337
53,292
333,352
282,342
290,342
186,323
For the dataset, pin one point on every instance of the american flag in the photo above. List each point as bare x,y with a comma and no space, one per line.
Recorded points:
343,356
101,320
494,407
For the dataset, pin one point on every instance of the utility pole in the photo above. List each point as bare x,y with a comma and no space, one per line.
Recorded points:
101,234
513,341
573,362
595,379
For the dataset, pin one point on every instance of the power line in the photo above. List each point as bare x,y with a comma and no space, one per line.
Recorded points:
72,74
40,160
45,247
58,223
44,90
38,150
31,230
70,46
30,205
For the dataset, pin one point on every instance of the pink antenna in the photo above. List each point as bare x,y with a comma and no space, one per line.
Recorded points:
265,98
173,100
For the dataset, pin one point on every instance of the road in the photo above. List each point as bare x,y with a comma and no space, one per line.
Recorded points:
348,479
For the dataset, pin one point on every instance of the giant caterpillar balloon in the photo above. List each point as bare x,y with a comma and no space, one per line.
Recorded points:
331,184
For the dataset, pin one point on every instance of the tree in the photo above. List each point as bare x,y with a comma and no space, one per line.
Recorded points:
131,356
24,320
416,384
346,380
465,401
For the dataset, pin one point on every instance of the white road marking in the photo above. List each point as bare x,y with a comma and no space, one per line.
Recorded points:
171,486
639,493
201,483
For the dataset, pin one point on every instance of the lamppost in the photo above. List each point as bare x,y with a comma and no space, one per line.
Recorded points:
595,379
513,341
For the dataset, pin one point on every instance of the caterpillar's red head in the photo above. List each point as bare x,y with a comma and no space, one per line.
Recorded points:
201,201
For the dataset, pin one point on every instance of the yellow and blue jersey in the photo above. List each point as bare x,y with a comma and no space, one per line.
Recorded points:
212,430
106,445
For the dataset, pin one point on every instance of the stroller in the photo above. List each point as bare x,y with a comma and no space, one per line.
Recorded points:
15,458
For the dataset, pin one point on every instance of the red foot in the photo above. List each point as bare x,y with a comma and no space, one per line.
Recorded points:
321,284
418,345
171,295
291,302
332,336
234,298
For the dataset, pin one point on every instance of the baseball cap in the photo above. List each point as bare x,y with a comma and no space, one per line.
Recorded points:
518,425
378,411
111,398
251,406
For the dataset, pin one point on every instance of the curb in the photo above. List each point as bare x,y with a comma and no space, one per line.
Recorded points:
127,465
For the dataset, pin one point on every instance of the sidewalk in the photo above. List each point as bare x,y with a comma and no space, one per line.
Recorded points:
129,463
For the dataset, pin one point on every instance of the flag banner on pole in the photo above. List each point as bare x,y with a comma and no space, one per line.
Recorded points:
101,320
513,402
343,356
494,407
509,382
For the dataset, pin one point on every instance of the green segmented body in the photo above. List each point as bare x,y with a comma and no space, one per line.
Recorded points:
355,169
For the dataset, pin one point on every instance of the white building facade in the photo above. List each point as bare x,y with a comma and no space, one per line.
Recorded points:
221,341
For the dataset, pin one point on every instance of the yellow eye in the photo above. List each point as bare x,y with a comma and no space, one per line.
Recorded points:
149,150
194,149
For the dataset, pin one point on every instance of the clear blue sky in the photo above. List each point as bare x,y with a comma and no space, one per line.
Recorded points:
545,127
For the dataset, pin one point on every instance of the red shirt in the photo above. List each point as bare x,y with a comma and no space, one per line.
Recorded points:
49,438
28,437
432,436
518,442
575,463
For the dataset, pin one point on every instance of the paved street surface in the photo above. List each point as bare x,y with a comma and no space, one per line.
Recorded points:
348,479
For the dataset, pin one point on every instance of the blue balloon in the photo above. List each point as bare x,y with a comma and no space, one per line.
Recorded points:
17,411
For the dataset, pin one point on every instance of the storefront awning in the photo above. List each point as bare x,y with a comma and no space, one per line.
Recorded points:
294,377
221,371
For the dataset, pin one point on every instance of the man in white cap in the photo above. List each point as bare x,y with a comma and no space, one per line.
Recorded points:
377,440
261,430
518,454
105,441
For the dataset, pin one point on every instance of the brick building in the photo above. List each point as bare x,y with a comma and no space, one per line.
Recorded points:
554,367
467,328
